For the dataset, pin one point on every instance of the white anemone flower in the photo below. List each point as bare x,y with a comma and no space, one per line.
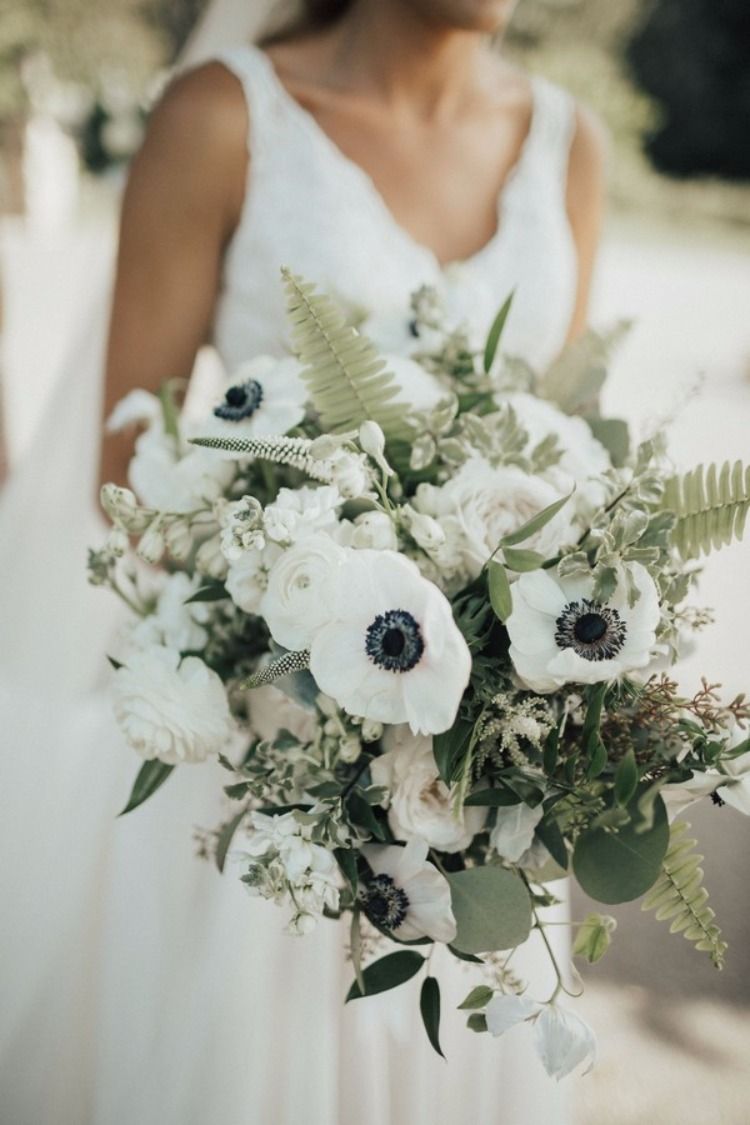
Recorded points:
728,786
559,634
170,709
265,397
407,895
391,650
420,803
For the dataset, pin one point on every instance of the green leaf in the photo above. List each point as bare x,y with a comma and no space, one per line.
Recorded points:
226,835
536,523
347,380
150,776
214,592
429,1006
498,585
169,410
550,754
347,861
494,798
477,1021
361,814
116,664
614,435
495,333
594,937
711,507
521,560
465,956
577,376
626,778
449,748
621,866
389,972
549,833
479,997
598,757
492,909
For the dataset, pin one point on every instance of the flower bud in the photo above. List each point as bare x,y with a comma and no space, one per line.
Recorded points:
152,544
119,503
371,731
376,531
425,530
349,475
179,540
117,541
209,559
350,748
372,441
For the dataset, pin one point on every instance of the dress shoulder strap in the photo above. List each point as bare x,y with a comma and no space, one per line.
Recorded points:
248,64
553,128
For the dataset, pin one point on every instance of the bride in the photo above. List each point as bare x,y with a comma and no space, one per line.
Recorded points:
374,146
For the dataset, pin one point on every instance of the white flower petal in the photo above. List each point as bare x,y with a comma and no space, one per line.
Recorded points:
563,1041
504,1012
513,833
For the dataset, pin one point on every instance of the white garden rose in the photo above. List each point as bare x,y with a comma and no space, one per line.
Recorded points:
421,804
482,504
173,710
390,649
560,635
296,603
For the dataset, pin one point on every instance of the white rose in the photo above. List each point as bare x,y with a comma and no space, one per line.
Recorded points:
177,712
481,504
421,804
295,604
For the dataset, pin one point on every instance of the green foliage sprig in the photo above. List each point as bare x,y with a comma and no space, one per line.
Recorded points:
711,506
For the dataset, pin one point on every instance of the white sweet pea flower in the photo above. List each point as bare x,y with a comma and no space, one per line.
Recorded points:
172,710
391,650
265,397
247,578
563,1041
297,601
728,786
407,895
513,833
559,635
504,1011
297,512
421,805
481,504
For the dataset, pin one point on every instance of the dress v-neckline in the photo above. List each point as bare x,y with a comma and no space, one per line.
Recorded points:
375,195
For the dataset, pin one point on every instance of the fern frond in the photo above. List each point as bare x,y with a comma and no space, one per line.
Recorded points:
347,379
679,895
711,506
282,666
292,451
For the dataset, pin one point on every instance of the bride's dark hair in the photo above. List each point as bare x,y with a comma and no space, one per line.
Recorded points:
314,15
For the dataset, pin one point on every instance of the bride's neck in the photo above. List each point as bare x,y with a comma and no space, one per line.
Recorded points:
387,49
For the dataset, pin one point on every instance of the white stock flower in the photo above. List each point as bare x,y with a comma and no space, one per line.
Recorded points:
481,504
563,1041
265,397
171,710
173,623
247,578
297,512
407,895
420,803
513,832
560,635
391,650
297,600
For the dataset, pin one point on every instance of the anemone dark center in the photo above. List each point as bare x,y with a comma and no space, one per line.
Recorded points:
240,401
592,630
385,903
394,641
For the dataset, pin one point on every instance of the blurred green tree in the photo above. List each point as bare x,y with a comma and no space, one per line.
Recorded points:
693,58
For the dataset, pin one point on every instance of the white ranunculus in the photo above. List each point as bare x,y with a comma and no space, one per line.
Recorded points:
391,650
481,504
559,635
297,512
563,1041
264,398
247,578
420,803
408,896
172,710
173,623
297,601
513,832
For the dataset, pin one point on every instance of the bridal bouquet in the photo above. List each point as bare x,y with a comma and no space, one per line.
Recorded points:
421,608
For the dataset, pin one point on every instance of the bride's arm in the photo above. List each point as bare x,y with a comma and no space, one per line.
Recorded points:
585,204
181,206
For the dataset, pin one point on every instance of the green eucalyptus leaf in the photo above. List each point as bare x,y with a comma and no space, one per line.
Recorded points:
479,997
536,523
614,435
522,561
150,777
389,972
226,835
626,778
494,798
495,333
214,592
548,831
477,1021
498,585
429,1006
620,866
492,909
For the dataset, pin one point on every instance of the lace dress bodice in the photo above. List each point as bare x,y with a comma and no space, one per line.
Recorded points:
311,208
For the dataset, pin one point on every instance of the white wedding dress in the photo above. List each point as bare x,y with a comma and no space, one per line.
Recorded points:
140,988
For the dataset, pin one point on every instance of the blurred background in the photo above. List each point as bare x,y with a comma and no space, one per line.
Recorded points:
671,79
